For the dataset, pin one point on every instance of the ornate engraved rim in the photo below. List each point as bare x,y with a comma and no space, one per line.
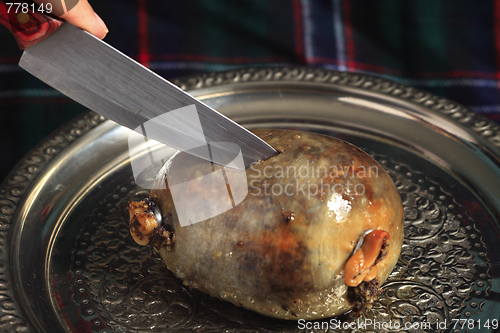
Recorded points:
18,181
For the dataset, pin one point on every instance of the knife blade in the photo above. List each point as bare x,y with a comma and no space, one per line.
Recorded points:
104,80
101,78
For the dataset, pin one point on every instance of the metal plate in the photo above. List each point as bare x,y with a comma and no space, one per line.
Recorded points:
68,264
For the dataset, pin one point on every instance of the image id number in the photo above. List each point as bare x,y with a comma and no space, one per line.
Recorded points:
471,323
21,7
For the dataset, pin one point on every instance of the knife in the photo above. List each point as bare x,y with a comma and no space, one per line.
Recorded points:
106,81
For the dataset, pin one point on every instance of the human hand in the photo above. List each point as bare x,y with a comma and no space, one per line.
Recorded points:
78,13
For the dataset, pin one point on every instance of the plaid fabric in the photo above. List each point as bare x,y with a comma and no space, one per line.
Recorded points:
448,47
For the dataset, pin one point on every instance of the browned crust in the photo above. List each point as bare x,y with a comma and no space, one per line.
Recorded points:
162,235
363,295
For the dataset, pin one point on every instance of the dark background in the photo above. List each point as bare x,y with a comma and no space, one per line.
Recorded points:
450,48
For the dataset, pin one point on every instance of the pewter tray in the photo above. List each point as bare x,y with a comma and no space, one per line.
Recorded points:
68,263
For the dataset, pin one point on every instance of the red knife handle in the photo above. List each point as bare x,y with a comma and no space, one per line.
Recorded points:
28,27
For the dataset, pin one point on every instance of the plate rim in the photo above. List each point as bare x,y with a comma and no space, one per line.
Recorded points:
18,182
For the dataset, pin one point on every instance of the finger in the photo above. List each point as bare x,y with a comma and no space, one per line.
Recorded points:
80,14
83,16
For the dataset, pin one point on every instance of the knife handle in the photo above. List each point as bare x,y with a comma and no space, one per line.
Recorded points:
25,21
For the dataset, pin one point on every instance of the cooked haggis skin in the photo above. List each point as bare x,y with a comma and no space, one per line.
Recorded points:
286,254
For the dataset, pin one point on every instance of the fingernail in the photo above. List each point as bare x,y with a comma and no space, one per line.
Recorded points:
101,23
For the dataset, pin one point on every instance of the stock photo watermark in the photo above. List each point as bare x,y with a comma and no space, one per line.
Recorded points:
332,179
202,189
226,183
406,325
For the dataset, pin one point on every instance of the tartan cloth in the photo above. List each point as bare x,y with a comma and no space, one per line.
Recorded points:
448,47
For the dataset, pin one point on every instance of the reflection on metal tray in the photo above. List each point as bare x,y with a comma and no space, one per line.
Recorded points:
69,265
